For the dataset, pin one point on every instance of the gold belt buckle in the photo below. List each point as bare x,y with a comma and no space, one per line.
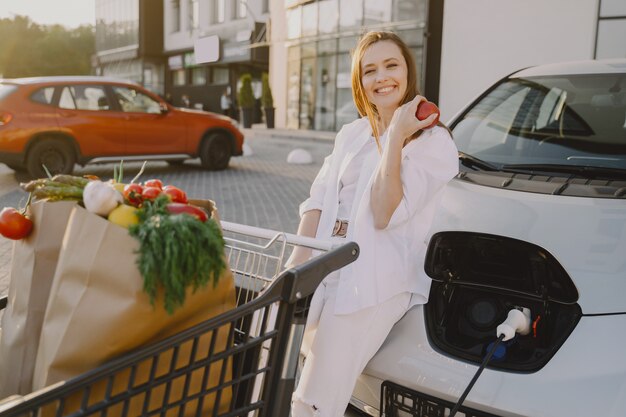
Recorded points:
341,228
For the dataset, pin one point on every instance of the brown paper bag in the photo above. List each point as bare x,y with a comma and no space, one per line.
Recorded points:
98,311
33,264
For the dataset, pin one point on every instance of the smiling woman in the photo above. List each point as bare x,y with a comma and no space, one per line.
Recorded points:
46,12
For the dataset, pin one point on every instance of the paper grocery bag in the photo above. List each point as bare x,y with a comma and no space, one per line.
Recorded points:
33,265
98,311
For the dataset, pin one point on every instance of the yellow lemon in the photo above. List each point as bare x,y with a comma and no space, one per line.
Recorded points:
124,215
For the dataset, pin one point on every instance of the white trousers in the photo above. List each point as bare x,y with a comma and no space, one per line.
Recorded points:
338,350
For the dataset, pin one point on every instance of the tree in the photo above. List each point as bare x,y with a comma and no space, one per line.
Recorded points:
28,49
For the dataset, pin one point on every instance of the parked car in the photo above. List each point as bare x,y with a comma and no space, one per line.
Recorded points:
60,121
536,219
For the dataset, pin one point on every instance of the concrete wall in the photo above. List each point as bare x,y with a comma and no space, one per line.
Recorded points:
485,40
278,60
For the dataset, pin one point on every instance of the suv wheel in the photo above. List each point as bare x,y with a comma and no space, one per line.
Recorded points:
55,154
215,152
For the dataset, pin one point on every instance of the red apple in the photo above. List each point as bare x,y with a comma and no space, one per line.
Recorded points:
425,109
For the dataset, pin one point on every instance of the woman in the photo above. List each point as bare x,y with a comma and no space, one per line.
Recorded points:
380,188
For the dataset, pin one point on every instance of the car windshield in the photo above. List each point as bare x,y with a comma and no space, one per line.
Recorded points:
550,121
6,89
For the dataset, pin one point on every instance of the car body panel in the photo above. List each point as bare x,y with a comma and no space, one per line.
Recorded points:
105,133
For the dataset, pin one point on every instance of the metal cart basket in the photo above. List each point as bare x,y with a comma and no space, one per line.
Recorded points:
257,366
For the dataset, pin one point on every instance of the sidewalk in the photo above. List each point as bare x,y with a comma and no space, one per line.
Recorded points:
293,134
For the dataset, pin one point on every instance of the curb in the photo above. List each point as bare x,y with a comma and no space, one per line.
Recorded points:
291,134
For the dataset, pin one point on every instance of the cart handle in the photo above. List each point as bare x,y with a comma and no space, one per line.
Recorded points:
292,239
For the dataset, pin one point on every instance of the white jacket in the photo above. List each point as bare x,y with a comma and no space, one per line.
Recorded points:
391,260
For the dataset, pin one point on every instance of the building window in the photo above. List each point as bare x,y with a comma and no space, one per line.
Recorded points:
175,16
293,87
195,14
198,76
265,8
242,8
350,14
219,13
377,11
294,23
178,77
409,10
329,10
219,75
309,19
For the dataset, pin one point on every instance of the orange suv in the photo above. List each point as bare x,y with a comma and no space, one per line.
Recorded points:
60,121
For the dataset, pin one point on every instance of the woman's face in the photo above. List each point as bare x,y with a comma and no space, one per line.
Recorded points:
384,75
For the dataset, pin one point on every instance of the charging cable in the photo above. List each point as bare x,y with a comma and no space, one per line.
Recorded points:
517,321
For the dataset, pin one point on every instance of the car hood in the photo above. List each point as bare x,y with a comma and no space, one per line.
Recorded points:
587,236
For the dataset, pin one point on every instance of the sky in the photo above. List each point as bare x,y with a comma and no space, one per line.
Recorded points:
70,13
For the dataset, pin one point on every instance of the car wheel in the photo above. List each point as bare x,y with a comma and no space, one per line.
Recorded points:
216,151
55,154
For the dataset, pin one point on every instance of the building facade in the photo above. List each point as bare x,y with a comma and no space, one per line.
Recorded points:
129,42
310,57
234,29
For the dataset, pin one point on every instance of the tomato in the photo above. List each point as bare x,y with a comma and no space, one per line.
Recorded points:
14,225
132,194
154,183
150,193
425,109
176,194
180,208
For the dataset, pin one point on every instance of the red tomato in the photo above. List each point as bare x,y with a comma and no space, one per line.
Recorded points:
150,193
180,208
14,225
154,183
132,194
176,194
425,109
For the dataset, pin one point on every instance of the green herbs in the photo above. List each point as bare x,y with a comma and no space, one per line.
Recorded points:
176,252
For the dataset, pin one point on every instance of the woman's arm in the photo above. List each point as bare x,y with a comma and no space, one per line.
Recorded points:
308,227
387,189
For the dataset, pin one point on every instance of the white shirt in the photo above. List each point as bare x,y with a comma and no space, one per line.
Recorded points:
391,260
350,177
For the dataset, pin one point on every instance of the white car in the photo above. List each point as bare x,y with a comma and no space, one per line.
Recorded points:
535,220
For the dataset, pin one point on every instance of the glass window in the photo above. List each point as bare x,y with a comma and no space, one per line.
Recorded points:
329,12
175,16
409,10
198,76
266,6
325,94
220,11
43,95
350,13
293,87
347,44
309,19
133,101
178,77
220,75
66,101
294,23
377,11
87,97
6,90
560,120
611,35
307,94
346,110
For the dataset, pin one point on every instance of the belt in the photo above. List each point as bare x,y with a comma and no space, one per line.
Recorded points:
341,228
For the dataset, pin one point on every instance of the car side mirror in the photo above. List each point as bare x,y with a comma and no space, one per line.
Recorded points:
164,108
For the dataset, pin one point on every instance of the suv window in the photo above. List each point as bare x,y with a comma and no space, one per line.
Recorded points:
43,95
84,97
564,120
6,89
133,101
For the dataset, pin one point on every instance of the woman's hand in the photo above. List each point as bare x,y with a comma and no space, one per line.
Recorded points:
404,123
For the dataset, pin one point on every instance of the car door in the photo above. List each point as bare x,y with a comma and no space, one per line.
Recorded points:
85,113
149,130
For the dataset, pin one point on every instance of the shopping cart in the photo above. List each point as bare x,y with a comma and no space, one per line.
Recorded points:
264,336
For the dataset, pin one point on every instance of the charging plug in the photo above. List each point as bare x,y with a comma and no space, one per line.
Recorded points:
517,321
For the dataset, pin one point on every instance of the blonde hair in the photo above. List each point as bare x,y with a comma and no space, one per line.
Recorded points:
363,105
